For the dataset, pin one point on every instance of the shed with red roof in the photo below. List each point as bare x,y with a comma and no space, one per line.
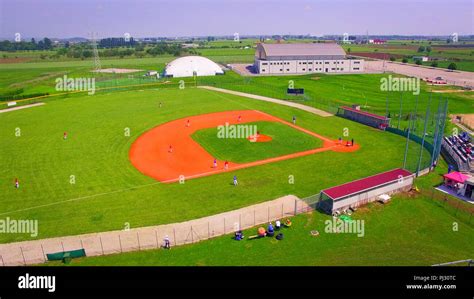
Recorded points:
363,191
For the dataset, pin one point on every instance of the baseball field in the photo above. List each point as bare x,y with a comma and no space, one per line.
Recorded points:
115,169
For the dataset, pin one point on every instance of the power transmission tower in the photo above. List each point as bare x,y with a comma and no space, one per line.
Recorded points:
97,66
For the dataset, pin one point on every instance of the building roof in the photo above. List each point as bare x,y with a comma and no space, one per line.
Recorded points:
303,49
456,176
365,113
370,182
188,65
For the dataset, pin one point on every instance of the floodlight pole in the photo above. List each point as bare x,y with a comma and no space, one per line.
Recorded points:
436,137
424,135
400,113
408,140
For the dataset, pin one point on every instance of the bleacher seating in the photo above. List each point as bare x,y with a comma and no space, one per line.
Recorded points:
462,146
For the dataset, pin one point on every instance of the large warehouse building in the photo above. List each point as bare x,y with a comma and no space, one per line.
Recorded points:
304,58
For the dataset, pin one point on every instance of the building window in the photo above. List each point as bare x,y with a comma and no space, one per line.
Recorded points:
264,63
356,69
310,70
287,70
326,62
356,62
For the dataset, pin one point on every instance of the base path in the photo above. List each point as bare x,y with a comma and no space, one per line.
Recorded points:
271,100
151,153
151,237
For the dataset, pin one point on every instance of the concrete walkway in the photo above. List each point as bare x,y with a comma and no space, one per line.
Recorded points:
272,100
151,237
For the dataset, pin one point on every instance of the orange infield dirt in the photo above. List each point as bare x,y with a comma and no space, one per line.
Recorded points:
168,152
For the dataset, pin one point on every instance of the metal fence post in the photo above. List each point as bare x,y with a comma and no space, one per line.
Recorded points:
192,235
44,255
120,243
240,221
23,255
62,246
156,238
282,210
208,230
254,218
101,245
138,239
268,214
174,233
296,207
3,262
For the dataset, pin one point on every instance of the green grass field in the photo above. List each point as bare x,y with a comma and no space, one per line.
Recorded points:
408,231
285,140
109,192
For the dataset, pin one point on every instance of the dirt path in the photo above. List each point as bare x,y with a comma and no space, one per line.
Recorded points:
150,153
151,237
272,100
20,107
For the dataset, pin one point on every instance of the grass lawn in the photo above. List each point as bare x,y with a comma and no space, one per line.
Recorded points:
285,140
411,231
109,192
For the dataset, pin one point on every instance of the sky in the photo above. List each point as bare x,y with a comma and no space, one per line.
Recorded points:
153,18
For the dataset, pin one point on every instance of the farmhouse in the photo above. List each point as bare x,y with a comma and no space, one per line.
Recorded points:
304,58
190,66
363,191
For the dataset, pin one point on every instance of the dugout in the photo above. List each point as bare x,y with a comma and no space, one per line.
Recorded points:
363,191
366,118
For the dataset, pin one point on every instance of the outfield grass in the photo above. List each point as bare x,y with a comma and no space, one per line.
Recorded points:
412,231
285,140
109,192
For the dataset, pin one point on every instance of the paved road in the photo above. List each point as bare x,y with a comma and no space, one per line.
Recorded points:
458,78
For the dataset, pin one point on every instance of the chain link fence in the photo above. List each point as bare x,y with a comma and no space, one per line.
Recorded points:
114,242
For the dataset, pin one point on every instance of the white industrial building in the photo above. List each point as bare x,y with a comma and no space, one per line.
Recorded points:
304,58
190,66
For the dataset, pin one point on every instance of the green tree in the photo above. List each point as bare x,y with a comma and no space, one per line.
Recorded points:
404,60
421,49
434,64
452,66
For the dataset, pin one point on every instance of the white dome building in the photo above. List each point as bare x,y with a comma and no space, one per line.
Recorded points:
189,66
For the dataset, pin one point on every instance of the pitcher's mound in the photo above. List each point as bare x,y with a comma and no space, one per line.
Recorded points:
259,138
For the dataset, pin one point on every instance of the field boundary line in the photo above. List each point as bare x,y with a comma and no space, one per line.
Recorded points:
79,198
312,110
